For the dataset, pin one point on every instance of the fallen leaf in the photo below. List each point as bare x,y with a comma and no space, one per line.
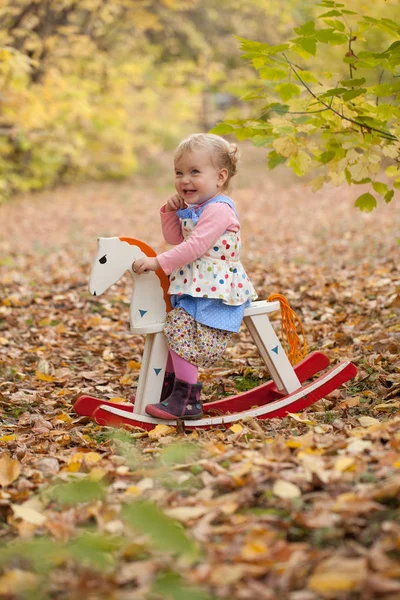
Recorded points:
285,489
17,580
9,469
160,430
28,514
236,428
367,421
338,574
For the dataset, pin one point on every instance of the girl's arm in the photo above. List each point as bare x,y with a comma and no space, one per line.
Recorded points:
213,222
170,223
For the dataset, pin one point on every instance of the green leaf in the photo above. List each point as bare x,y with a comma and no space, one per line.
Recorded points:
279,108
386,89
351,94
306,29
258,62
389,196
95,549
308,44
352,82
287,90
76,492
275,159
331,13
328,36
380,188
366,202
244,133
333,92
272,74
170,586
327,156
308,77
179,453
221,129
165,533
262,140
300,163
335,24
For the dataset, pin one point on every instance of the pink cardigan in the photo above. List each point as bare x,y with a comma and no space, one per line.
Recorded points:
213,222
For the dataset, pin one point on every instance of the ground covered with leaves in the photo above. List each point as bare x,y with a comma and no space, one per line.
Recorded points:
301,508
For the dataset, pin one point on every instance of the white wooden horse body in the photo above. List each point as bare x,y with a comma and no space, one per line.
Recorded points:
148,309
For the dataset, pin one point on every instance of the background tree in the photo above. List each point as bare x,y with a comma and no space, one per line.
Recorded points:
74,76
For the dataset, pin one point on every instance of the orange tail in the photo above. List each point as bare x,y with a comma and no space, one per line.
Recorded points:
294,348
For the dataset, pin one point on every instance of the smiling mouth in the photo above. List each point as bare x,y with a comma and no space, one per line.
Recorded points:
189,191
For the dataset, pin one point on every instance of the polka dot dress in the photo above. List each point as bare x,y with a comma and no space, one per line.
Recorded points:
218,274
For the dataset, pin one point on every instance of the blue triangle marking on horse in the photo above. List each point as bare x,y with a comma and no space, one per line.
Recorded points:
157,371
142,312
275,349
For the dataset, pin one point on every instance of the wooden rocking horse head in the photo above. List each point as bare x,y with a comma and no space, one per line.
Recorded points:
150,300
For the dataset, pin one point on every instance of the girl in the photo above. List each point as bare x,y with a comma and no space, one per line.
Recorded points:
208,284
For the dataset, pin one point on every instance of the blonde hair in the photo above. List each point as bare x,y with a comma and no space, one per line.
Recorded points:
225,155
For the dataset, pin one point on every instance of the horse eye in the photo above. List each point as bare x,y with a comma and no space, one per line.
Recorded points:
103,259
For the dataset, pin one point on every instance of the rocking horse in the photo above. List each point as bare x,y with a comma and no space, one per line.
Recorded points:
287,392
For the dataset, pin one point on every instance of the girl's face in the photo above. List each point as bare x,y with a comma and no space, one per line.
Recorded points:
196,178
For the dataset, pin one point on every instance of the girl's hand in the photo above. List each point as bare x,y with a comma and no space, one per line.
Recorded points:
141,265
175,203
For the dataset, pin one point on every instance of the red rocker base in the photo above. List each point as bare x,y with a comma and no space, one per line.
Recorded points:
263,402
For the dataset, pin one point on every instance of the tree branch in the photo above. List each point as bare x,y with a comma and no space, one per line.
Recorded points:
386,134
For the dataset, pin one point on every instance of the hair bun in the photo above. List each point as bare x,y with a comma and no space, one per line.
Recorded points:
234,154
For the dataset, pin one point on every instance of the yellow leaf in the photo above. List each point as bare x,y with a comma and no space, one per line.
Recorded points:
300,163
28,514
300,419
160,430
253,549
387,406
9,469
293,443
76,458
91,458
133,490
285,146
8,438
119,400
126,380
285,489
72,467
338,574
367,421
236,428
344,463
97,473
64,417
4,341
15,581
44,377
317,183
133,364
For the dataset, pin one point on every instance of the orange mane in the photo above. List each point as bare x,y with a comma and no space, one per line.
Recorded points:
164,281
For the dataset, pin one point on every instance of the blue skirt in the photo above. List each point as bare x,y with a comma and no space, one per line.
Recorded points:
212,312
